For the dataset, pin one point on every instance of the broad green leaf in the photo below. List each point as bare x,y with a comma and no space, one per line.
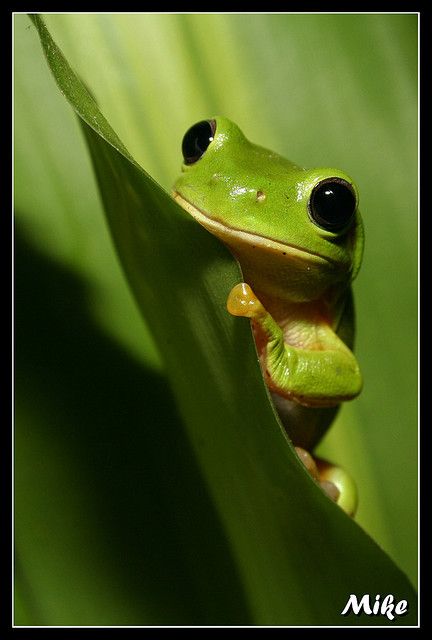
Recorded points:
285,554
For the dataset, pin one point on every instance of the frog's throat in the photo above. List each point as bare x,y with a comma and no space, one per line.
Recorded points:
230,234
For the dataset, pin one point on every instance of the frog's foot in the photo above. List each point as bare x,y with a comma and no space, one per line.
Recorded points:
333,480
243,302
348,497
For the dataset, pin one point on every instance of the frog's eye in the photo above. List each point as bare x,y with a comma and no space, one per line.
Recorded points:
197,139
332,204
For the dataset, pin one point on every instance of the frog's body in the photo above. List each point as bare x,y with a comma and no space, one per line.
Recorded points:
298,237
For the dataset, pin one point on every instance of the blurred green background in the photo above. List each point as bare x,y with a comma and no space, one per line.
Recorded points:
335,90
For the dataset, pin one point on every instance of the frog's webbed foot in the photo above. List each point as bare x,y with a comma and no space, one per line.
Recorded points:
333,480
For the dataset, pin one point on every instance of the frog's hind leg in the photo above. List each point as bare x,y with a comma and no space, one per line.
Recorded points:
333,480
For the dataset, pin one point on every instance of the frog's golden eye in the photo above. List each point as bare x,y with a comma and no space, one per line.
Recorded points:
197,139
332,204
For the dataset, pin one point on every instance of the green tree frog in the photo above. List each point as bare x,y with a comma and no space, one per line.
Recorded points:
298,236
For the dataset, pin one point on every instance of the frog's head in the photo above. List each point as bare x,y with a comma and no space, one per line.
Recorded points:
296,232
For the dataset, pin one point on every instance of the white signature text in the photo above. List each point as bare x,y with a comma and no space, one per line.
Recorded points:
376,607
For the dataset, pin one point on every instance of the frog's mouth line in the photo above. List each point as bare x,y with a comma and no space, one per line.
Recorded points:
228,233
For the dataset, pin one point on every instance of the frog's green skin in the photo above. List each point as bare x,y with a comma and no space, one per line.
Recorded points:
299,274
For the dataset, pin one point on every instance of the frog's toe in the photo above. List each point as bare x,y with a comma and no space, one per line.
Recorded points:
339,478
308,461
333,480
330,489
243,302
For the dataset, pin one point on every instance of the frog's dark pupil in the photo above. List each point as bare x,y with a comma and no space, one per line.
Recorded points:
332,204
197,139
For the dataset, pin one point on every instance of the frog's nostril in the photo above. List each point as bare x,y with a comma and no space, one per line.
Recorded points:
260,196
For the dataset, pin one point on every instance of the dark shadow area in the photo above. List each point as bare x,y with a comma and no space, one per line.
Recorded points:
116,424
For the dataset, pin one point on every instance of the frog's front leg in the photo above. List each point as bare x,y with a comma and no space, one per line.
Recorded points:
320,377
313,377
